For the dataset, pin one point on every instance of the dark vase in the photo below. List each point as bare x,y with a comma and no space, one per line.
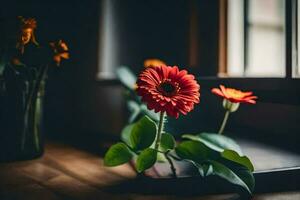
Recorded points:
21,116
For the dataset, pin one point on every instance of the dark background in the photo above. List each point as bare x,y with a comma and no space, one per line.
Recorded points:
82,108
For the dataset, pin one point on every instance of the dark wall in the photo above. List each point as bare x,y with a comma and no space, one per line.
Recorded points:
162,29
75,103
153,29
76,22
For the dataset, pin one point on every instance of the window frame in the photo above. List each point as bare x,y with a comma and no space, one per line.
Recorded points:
285,90
290,29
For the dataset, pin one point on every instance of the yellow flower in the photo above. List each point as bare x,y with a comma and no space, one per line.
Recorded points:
26,32
60,50
153,62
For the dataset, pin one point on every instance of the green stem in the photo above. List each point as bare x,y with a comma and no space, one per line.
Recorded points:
224,122
33,95
157,142
36,124
160,130
173,169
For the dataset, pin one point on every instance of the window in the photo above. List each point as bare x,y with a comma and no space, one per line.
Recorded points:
108,58
296,71
256,38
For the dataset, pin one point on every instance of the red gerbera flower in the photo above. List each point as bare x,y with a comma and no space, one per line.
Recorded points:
234,96
168,89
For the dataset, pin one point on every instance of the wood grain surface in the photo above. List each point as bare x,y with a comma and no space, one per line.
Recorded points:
65,172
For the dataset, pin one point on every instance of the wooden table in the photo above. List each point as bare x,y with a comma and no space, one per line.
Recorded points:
65,172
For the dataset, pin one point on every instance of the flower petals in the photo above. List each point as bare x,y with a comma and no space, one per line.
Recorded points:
151,84
235,96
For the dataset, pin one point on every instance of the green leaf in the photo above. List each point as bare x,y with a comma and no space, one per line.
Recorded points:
2,65
235,157
246,176
227,174
205,169
127,78
146,159
193,150
125,134
135,110
138,109
215,141
167,142
117,154
143,133
161,158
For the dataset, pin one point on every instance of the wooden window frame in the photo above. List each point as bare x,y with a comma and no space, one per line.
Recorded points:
271,90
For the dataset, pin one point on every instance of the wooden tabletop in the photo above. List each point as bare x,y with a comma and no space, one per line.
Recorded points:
65,172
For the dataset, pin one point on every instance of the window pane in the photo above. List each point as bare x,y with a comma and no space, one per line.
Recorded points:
297,70
269,12
265,53
256,38
265,42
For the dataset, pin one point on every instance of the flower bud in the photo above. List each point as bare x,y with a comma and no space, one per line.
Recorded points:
230,106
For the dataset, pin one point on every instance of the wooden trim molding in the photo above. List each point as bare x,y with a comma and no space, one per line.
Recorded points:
193,35
222,66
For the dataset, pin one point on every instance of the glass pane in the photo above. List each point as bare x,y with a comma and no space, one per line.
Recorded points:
265,42
265,53
269,12
256,38
297,70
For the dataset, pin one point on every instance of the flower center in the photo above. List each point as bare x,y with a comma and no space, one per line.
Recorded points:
235,93
168,88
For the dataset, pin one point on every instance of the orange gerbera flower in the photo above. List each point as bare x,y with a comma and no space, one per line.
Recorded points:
60,50
153,62
168,89
26,35
235,96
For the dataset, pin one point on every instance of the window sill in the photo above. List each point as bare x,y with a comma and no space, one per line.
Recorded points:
269,90
276,170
